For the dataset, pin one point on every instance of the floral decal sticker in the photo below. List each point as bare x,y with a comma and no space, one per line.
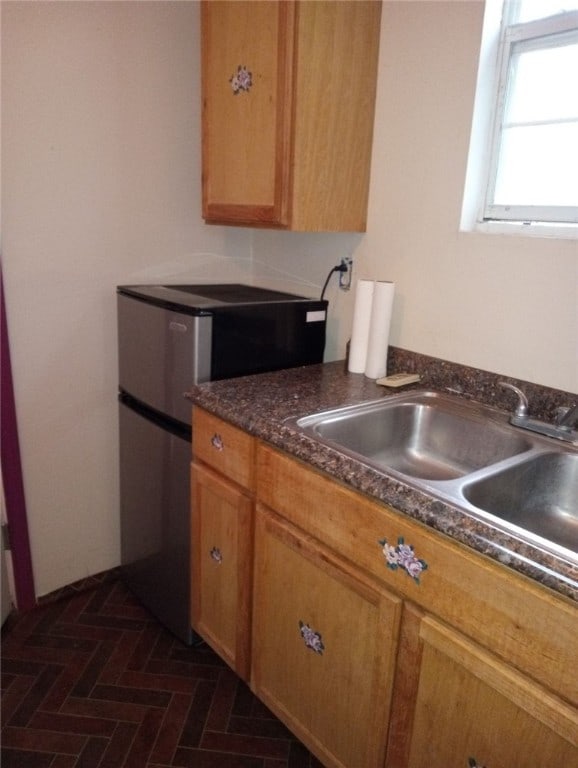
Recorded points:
402,556
312,639
216,555
242,80
217,442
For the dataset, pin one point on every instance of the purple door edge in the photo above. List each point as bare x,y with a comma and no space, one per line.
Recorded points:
12,475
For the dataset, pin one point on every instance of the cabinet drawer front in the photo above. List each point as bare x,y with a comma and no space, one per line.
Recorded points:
225,448
520,621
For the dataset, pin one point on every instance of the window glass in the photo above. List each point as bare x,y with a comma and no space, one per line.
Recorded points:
544,85
552,176
533,174
522,171
529,10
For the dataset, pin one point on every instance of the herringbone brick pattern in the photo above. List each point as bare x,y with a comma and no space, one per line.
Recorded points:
92,681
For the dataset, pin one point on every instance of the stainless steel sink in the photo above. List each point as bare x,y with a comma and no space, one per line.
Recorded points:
426,435
538,495
466,454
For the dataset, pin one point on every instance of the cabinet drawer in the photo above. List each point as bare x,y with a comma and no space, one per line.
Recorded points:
520,621
225,448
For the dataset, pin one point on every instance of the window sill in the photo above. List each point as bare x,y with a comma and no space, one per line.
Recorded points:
521,229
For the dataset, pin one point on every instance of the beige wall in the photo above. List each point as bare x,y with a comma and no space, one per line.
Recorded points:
101,186
503,303
506,304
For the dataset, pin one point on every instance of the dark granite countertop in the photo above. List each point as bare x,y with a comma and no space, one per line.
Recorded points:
262,404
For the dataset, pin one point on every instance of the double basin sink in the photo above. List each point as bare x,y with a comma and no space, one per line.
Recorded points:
468,455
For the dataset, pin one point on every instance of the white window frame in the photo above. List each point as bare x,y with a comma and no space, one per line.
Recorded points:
541,33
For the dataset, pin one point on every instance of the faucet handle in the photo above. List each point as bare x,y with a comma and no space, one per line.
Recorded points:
560,413
522,406
567,418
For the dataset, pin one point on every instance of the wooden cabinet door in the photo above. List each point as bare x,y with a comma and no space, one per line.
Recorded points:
288,111
335,82
247,102
324,643
221,552
474,711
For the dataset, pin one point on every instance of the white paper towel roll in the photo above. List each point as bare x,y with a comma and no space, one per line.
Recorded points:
381,308
360,327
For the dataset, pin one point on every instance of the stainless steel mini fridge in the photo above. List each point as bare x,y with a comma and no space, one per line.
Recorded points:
171,337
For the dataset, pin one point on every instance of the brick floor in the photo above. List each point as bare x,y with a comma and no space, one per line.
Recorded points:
91,680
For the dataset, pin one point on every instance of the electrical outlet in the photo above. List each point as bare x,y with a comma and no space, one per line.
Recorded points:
345,276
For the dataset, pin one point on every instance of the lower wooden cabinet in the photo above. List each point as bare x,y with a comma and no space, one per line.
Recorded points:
221,552
473,711
324,645
468,666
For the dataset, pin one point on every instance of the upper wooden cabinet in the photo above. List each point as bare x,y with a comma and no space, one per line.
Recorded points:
288,105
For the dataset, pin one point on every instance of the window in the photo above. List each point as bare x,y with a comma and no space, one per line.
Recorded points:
530,173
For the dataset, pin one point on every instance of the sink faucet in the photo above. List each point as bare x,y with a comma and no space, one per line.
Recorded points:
566,427
522,407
